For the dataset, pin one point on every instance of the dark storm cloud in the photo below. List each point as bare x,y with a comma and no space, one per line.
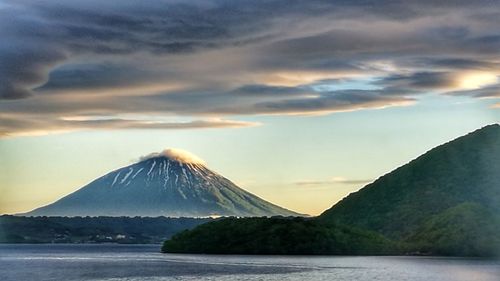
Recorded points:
84,76
301,102
22,66
225,57
456,63
114,28
337,101
263,90
421,80
486,92
38,34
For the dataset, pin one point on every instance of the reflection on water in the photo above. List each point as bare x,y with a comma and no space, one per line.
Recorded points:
144,262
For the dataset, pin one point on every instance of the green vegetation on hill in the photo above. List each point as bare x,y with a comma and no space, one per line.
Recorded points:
137,230
445,202
464,170
281,236
468,229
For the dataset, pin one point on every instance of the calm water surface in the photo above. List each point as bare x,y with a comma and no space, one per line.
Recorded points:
144,262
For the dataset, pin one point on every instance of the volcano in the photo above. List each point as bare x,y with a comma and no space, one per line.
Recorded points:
172,183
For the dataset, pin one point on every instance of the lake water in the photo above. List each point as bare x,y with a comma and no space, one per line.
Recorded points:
144,262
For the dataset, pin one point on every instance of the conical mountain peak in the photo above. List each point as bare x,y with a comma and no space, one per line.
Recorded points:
172,183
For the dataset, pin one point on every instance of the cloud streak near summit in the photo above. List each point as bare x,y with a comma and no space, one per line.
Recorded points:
214,60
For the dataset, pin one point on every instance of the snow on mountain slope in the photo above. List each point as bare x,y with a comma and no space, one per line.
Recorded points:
172,183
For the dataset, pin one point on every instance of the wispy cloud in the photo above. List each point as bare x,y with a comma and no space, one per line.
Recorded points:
45,127
332,181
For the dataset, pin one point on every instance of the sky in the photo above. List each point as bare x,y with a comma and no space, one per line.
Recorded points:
298,102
